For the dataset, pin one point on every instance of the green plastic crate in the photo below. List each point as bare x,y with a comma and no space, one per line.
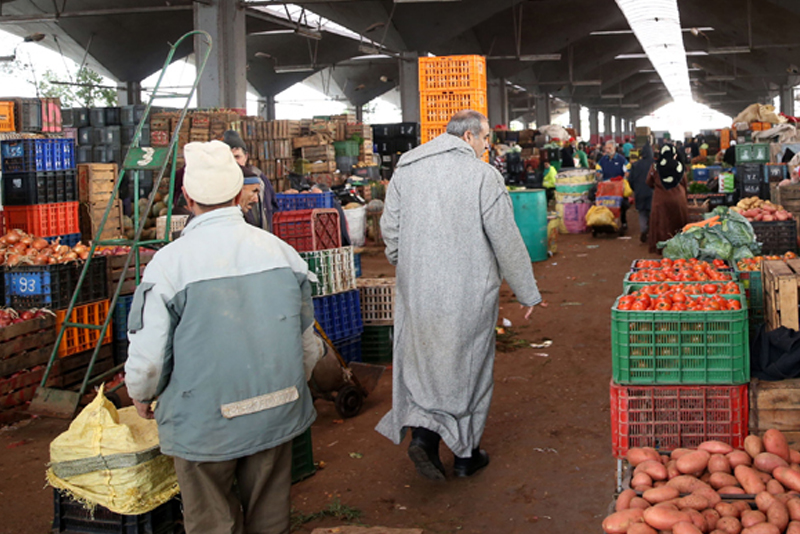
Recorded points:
302,457
635,286
346,148
335,270
377,343
652,347
751,280
752,153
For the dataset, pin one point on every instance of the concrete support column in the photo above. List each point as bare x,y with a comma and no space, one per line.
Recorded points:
618,135
575,117
359,113
224,80
497,96
129,93
607,125
409,86
542,110
594,126
268,108
787,100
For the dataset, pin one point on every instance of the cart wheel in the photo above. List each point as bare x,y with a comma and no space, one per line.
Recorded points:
349,401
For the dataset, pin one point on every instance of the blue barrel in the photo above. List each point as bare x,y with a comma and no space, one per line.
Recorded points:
530,214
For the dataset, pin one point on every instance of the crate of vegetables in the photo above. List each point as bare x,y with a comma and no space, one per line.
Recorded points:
672,417
26,339
679,339
681,264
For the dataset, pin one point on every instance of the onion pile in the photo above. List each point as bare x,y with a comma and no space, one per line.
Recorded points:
19,248
9,316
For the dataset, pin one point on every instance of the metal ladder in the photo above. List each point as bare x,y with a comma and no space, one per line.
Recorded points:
64,403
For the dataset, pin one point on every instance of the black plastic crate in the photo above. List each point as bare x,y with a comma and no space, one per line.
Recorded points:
106,154
408,130
29,188
75,117
776,173
111,136
377,344
127,133
750,173
97,117
28,114
112,116
776,237
52,286
86,136
132,115
70,517
83,154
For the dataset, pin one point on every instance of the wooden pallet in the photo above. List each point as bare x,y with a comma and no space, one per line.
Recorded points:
776,405
114,266
781,281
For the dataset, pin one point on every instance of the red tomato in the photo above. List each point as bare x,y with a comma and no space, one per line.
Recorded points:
626,302
710,289
679,306
663,305
640,305
734,304
679,297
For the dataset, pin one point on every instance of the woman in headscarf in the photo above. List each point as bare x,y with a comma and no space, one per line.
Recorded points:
670,211
642,191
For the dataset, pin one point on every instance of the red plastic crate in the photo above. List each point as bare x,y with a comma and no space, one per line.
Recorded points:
309,230
672,417
43,220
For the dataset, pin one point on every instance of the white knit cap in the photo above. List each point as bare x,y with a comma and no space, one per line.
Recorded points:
212,175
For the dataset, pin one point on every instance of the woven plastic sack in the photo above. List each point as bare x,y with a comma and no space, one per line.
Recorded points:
575,177
575,217
600,216
112,458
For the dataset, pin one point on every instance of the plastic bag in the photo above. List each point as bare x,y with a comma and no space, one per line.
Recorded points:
112,458
600,216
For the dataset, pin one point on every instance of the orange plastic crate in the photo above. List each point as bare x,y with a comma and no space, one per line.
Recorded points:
430,131
449,73
77,340
44,220
439,107
7,116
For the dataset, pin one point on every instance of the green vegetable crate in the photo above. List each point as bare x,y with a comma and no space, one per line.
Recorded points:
302,457
635,286
377,344
335,269
655,347
754,290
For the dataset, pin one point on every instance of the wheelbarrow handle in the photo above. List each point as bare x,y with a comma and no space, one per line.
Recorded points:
343,363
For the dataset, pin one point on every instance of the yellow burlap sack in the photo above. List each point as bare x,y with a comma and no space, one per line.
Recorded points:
552,234
111,458
600,216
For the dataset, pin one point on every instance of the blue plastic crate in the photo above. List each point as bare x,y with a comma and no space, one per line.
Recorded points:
339,315
304,201
48,150
121,311
67,154
349,349
357,260
69,240
700,175
23,155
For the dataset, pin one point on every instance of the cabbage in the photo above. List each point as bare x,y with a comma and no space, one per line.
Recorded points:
682,246
742,253
731,240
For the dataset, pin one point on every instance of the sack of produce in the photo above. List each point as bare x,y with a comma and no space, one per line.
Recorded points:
600,216
111,458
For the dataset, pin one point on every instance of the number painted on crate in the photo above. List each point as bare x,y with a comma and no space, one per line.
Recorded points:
27,285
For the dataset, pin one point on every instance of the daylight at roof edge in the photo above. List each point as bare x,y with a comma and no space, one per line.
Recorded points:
657,26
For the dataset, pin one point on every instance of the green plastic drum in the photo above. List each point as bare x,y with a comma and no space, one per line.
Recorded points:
530,214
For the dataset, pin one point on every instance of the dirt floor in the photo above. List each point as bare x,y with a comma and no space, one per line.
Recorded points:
548,433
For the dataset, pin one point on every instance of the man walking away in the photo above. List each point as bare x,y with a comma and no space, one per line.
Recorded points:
221,333
449,228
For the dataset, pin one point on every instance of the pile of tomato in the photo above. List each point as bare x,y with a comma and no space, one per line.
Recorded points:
667,270
690,297
754,264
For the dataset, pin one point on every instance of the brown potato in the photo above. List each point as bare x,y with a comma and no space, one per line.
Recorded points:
737,458
619,522
694,462
655,470
743,506
693,501
749,479
720,480
678,453
731,490
764,500
672,470
778,515
753,445
663,518
715,447
794,456
710,495
698,519
789,478
753,517
687,484
637,455
624,500
662,494
711,516
774,487
762,528
793,506
775,442
767,462
685,528
641,528
719,464
726,509
638,502
641,482
793,528
783,497
729,525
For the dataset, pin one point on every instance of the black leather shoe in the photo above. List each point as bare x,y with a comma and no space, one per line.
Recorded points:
424,452
466,467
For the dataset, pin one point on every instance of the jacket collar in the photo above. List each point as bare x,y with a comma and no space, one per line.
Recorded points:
218,216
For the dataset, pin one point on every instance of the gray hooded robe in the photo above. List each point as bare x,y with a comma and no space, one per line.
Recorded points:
448,225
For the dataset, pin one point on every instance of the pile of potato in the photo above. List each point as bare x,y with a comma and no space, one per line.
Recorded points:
685,492
755,209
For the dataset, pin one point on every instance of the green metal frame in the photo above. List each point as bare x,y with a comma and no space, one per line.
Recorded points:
43,393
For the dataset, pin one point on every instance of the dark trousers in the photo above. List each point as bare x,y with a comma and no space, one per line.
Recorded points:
258,504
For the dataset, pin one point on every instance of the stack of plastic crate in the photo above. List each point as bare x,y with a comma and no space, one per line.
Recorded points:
679,377
448,84
40,189
377,309
309,223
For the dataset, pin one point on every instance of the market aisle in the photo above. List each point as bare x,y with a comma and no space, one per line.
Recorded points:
548,432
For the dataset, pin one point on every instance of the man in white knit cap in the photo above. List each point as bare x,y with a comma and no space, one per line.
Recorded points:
221,334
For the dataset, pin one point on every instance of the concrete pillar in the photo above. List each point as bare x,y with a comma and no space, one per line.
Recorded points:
129,93
268,108
224,80
359,113
542,110
409,86
575,117
787,100
618,130
607,127
497,96
594,126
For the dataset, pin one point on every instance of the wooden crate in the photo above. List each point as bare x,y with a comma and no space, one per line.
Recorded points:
781,280
91,215
314,153
776,405
26,344
96,181
115,272
315,139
